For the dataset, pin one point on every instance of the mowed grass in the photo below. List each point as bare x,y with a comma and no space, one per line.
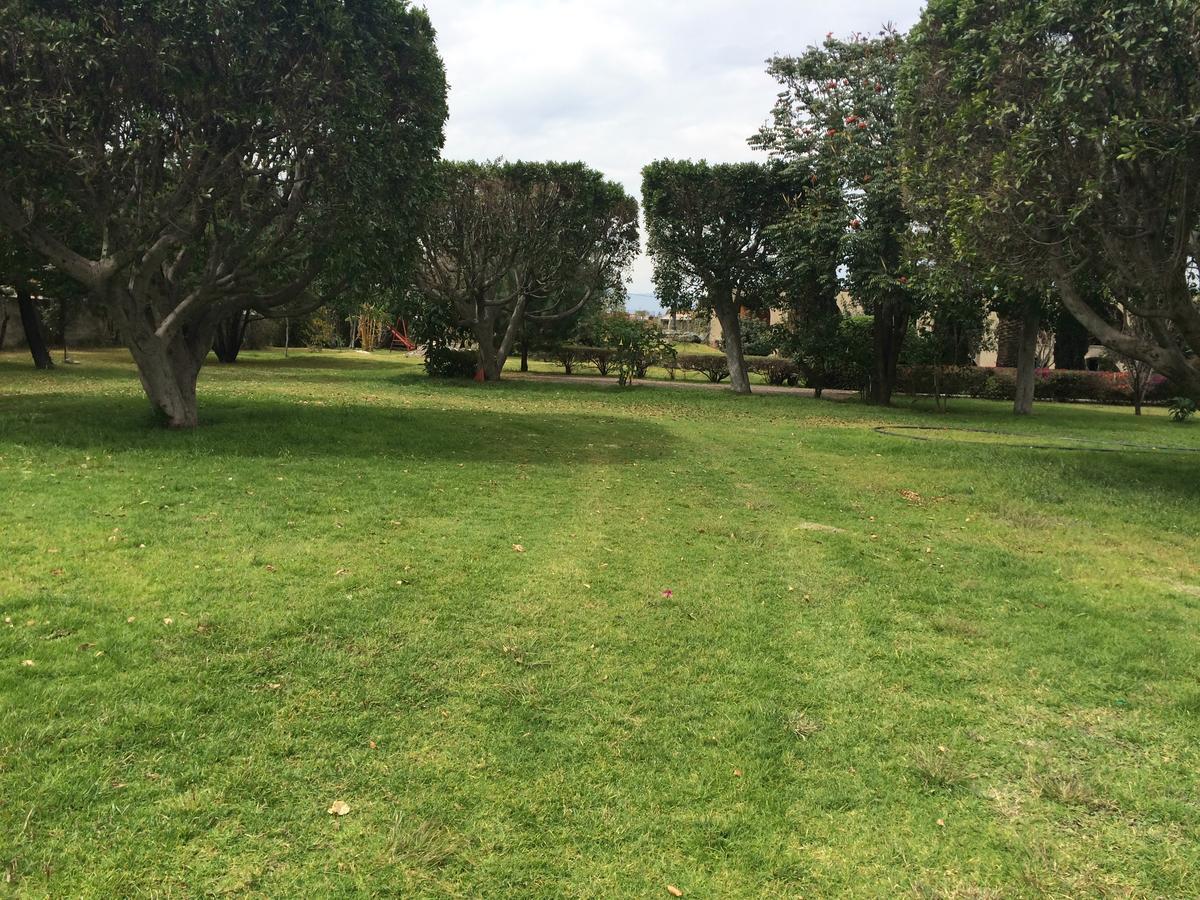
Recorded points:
884,667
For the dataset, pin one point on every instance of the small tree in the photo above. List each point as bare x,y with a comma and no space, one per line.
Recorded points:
516,243
636,346
708,235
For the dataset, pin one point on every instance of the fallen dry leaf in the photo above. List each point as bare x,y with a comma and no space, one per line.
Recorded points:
27,662
674,891
339,808
911,496
371,744
737,773
518,548
342,572
168,621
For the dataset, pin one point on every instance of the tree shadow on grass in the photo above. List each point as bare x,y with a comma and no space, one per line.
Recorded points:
306,429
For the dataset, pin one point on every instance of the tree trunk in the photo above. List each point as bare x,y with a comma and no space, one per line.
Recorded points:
168,366
891,324
524,350
4,323
35,336
1027,361
484,331
1165,357
731,327
231,333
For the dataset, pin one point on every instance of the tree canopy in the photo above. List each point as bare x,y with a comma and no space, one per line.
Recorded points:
834,125
1061,140
708,229
513,243
223,155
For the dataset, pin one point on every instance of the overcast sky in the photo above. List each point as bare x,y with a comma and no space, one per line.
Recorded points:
618,83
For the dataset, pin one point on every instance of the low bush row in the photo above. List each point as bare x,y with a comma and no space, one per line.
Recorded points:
1051,384
774,369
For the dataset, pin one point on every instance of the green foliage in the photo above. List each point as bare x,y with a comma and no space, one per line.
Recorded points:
635,345
320,331
513,246
713,367
835,126
450,362
1045,135
184,161
1181,409
707,229
759,338
775,369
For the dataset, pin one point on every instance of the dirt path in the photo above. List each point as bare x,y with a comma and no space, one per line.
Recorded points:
594,381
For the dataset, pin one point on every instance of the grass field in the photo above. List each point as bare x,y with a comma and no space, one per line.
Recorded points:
561,640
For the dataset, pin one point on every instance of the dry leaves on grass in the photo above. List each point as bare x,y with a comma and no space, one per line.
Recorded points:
339,808
518,548
674,891
911,496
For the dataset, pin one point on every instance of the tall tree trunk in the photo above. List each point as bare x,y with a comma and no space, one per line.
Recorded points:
891,324
731,331
35,336
231,334
524,349
4,323
1027,360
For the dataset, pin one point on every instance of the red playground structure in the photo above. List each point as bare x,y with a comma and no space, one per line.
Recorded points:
400,336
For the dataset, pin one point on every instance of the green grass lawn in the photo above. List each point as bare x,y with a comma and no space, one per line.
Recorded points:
884,667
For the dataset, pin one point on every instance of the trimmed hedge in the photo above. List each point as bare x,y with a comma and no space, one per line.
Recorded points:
1061,385
712,366
777,370
446,362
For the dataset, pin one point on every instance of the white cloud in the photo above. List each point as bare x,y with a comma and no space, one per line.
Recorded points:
618,83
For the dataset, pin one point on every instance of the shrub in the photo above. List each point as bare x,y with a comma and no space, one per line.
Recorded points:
711,365
599,357
759,338
775,369
1062,385
1180,409
446,362
635,346
568,356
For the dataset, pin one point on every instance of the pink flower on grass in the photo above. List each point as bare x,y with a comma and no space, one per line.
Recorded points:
668,593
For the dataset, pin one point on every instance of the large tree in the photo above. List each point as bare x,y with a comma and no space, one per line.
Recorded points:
509,245
708,231
1061,140
836,120
223,154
